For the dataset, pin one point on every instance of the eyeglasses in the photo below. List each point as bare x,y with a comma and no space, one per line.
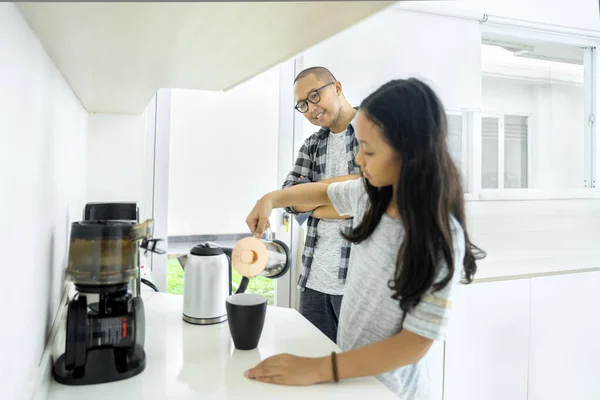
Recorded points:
313,97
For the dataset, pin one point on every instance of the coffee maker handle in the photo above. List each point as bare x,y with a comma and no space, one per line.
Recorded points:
269,234
243,285
244,282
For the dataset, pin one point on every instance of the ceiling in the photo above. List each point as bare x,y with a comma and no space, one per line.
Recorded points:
116,55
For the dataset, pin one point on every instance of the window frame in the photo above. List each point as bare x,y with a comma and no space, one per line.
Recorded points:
591,144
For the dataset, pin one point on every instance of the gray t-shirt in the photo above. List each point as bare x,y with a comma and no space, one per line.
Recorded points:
368,313
325,266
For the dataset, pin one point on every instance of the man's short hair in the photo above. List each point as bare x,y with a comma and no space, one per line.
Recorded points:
322,74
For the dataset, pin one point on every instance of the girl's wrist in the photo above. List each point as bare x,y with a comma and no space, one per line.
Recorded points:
325,369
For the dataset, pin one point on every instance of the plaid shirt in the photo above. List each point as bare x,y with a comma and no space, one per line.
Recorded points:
311,164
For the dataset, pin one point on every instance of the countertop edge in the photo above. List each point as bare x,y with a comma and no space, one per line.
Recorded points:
530,275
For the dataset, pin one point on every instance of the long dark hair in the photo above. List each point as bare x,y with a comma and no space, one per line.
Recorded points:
429,189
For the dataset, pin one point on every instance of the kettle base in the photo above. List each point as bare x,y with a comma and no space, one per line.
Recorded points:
204,321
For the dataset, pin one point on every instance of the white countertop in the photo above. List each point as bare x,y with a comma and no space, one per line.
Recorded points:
186,361
492,270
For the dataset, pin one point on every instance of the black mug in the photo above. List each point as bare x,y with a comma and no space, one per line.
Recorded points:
246,318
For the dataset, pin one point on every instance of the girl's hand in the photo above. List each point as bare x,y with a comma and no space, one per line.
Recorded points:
286,369
258,219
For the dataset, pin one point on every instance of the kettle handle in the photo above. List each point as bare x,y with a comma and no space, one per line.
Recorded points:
228,252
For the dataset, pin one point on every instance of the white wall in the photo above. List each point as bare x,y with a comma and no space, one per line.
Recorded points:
116,161
42,189
396,44
570,13
223,155
562,230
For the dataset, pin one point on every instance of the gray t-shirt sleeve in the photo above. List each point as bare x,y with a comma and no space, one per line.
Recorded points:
430,317
348,197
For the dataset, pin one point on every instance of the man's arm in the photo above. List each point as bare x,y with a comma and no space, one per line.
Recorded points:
328,212
302,171
341,178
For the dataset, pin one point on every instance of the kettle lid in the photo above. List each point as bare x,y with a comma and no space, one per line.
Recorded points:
206,249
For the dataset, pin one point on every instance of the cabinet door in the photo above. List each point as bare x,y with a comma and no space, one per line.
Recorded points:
565,337
487,342
435,360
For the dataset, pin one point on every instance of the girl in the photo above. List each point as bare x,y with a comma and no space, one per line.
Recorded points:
409,241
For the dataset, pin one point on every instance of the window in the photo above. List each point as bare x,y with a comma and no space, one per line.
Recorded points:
455,138
536,109
215,206
504,152
457,143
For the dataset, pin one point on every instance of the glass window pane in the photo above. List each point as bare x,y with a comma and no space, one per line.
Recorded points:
489,152
515,151
544,81
201,127
455,138
455,146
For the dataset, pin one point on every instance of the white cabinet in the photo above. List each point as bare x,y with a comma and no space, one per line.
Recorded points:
435,360
487,342
564,350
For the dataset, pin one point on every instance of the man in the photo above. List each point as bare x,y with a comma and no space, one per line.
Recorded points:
326,156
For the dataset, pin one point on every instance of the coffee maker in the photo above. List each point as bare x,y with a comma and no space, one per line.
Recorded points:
105,321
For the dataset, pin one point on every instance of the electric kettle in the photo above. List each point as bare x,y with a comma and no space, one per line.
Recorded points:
206,284
207,274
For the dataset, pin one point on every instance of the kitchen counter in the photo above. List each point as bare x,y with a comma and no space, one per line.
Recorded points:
186,361
498,270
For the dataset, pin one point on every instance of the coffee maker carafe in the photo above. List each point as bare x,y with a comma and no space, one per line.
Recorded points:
130,212
255,257
105,321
